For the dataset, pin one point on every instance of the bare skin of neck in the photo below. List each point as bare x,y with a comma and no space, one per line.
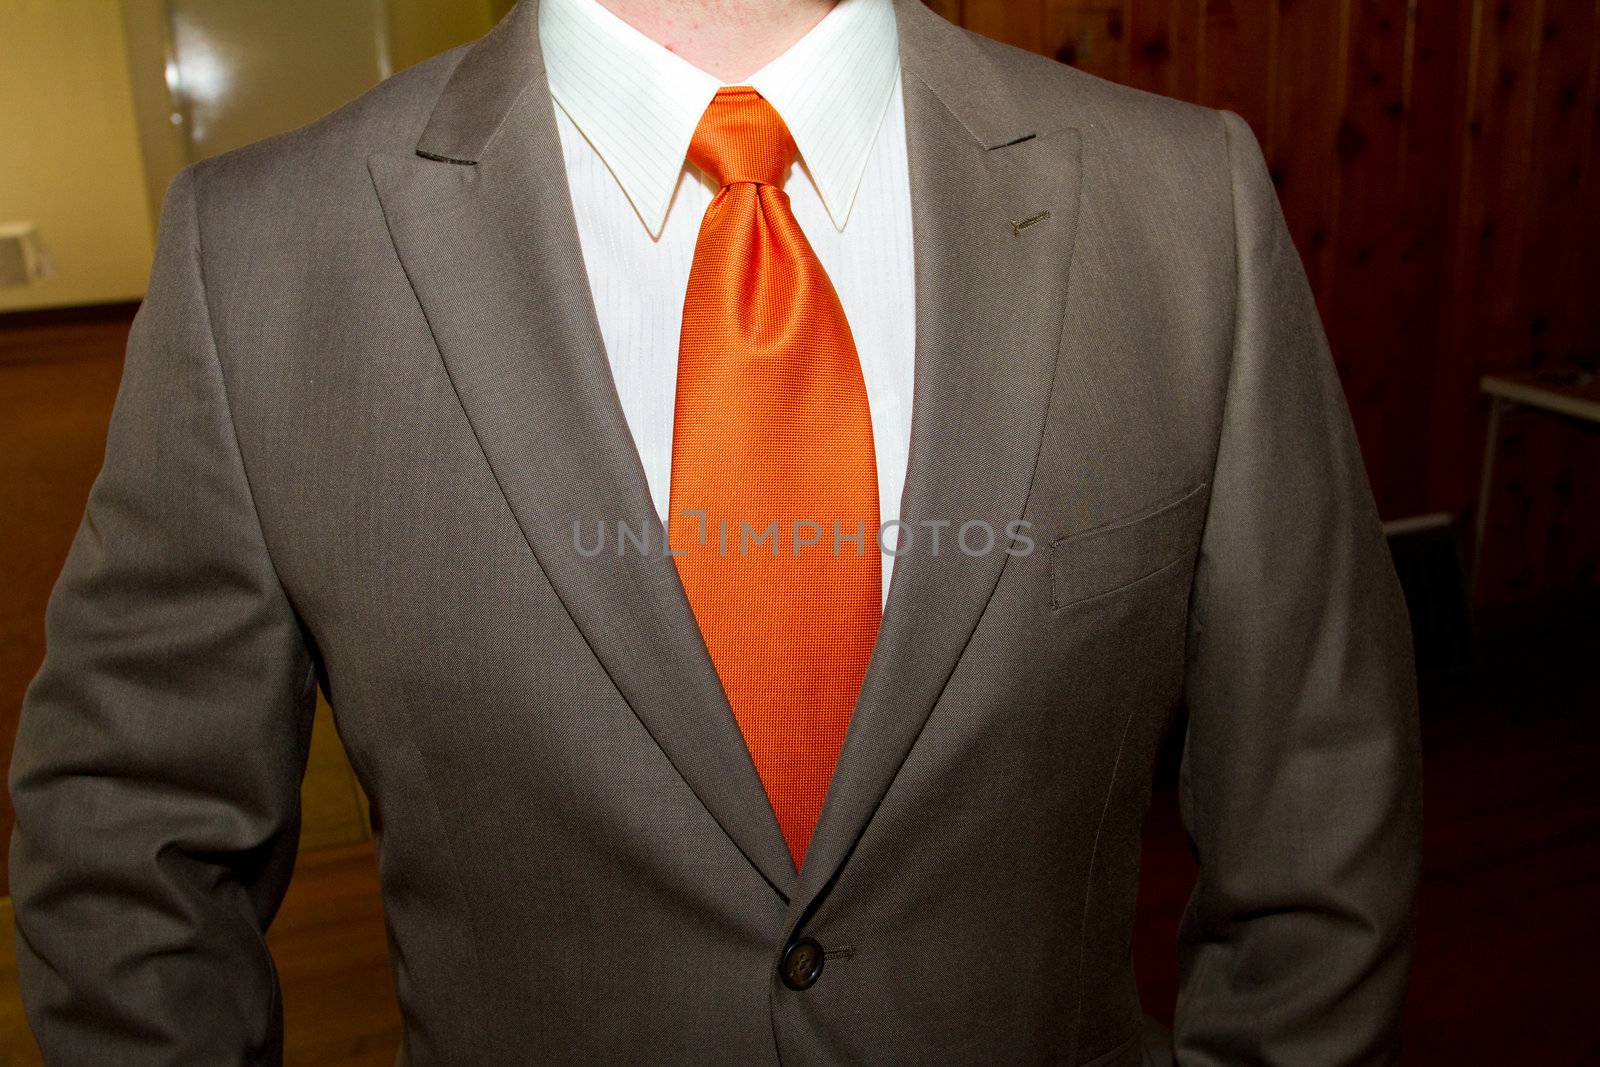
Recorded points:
731,39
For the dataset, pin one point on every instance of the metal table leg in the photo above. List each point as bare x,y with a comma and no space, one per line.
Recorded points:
1485,484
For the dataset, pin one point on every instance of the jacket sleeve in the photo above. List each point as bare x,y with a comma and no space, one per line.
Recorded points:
1301,778
157,765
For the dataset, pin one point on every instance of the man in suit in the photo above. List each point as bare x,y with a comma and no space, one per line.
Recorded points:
448,402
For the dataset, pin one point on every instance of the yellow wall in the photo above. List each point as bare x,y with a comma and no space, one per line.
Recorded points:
71,154
73,162
422,28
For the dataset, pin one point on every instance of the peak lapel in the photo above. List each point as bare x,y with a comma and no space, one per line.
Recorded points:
483,225
994,205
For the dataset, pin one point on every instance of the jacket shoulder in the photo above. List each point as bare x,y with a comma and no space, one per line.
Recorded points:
1060,95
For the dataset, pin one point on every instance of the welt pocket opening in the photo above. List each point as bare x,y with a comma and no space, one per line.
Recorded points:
1126,551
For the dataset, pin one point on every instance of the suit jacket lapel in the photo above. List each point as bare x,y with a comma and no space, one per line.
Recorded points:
994,204
486,234
484,228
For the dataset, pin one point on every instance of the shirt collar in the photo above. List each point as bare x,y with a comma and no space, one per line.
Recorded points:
638,103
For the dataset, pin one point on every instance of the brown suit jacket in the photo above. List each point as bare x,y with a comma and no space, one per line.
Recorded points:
365,402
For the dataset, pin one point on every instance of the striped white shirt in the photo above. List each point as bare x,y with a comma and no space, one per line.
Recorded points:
627,110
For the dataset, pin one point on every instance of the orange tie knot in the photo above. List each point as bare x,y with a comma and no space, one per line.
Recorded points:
742,138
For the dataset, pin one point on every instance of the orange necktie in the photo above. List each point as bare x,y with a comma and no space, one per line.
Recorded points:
774,501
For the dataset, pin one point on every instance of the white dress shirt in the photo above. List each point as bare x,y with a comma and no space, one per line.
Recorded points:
627,108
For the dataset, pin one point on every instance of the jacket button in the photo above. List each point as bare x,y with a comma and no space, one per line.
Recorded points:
801,964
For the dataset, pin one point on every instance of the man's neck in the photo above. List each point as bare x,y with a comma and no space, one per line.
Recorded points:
731,39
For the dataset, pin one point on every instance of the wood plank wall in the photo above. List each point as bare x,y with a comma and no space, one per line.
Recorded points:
1439,166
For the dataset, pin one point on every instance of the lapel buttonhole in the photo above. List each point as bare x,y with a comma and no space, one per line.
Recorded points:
1032,220
1015,141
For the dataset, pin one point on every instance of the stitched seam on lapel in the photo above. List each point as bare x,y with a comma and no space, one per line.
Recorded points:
926,84
516,103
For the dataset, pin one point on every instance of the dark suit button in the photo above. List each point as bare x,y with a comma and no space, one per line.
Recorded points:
802,963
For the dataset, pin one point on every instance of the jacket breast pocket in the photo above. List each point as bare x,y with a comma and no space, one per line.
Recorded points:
1105,559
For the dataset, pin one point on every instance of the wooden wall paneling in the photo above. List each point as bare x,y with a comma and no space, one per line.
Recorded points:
1496,179
1089,34
1544,532
1578,557
1439,165
1166,46
1312,50
1237,70
1559,534
1435,100
1558,542
950,9
1018,22
1581,297
1366,261
1481,328
1561,127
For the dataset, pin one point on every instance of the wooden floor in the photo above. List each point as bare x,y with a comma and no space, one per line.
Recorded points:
1509,927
